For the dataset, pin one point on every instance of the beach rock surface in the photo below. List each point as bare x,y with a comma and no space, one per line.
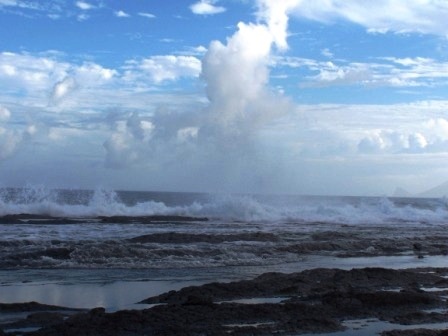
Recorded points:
312,301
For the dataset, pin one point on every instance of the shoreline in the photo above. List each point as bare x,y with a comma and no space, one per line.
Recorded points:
319,300
343,292
287,278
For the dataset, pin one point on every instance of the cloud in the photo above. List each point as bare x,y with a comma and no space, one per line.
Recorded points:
12,136
128,142
431,137
381,16
147,15
386,71
240,105
4,113
6,3
275,15
237,73
122,14
9,141
164,68
206,7
62,88
84,5
30,5
41,81
24,71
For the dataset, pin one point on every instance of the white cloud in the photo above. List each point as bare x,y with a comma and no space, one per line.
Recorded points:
386,71
4,113
41,80
122,14
381,16
240,105
275,14
119,152
8,3
147,15
327,53
62,88
92,74
417,142
187,133
24,71
12,136
206,7
83,5
164,68
129,141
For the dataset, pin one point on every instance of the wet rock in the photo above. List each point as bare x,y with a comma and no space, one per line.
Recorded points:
415,332
31,307
186,238
149,219
420,317
316,301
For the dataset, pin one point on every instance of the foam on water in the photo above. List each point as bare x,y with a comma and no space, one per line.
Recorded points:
85,204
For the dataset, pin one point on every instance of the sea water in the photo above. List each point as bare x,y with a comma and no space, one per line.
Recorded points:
88,262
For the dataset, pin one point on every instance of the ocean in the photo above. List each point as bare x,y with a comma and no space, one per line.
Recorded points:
82,248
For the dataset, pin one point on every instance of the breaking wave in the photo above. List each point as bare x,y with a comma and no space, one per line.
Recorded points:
349,210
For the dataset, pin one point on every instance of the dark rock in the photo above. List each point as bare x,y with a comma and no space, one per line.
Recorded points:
186,238
319,300
149,219
31,307
415,332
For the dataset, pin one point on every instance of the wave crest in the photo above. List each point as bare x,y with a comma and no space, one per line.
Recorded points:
101,202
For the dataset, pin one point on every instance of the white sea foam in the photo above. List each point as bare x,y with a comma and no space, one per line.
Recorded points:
77,204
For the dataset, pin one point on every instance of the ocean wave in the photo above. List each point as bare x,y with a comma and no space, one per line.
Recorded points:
92,204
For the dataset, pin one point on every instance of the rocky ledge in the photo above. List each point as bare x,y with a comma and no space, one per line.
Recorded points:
312,301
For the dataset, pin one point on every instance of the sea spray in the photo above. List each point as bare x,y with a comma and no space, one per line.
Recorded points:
244,208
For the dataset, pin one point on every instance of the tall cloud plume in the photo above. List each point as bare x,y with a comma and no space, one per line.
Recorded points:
240,105
237,73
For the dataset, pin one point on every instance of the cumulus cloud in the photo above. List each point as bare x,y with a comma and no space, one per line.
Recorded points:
12,136
93,74
206,7
62,88
221,140
437,128
417,142
164,68
128,142
432,137
43,79
28,72
237,74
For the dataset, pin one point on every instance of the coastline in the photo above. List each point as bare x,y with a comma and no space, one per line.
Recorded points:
420,299
340,298
319,300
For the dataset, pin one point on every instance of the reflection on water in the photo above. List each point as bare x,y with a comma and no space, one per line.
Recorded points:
122,288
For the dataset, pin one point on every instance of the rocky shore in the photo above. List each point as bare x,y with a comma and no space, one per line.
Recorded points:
312,301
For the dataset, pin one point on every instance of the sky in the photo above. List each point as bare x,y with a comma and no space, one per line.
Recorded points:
322,97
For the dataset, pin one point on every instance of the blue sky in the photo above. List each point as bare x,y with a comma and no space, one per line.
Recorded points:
288,96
